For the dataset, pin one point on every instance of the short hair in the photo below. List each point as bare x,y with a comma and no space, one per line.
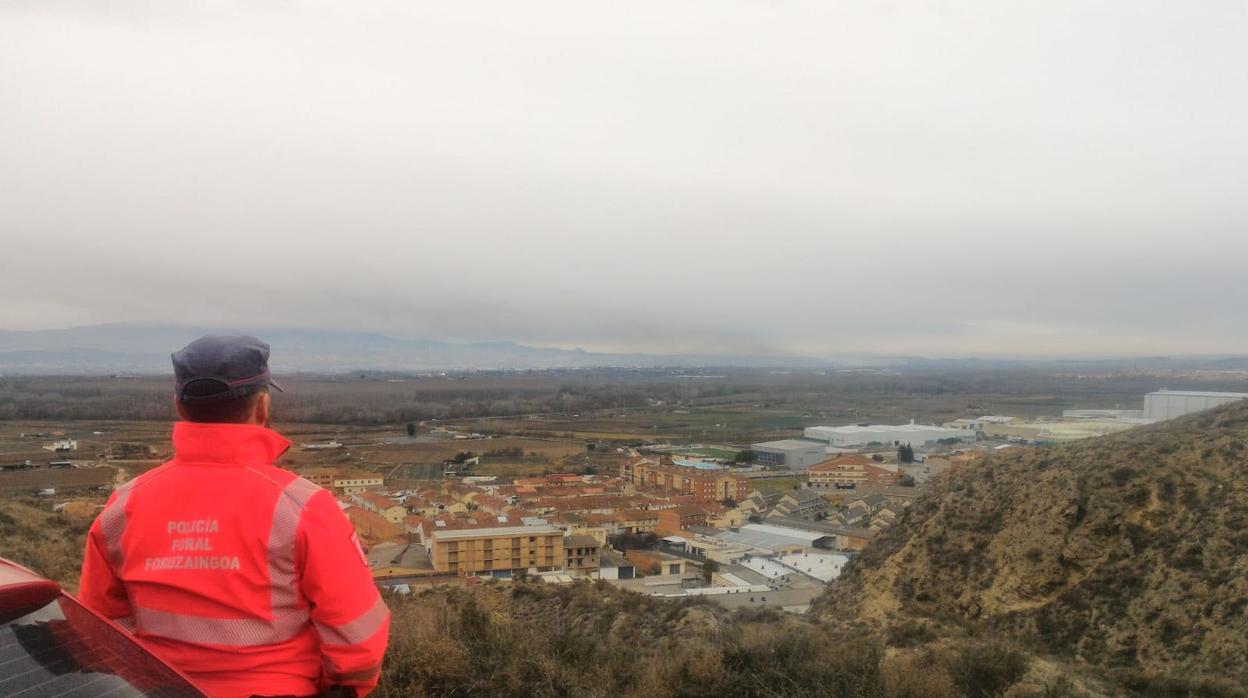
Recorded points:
229,410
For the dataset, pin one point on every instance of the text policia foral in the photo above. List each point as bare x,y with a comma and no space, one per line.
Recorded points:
191,536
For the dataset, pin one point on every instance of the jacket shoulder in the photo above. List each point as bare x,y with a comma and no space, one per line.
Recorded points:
291,487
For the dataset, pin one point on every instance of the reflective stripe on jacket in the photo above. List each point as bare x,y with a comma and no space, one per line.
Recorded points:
244,576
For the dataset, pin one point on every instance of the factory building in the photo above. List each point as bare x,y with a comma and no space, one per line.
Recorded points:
977,424
794,454
1168,404
885,435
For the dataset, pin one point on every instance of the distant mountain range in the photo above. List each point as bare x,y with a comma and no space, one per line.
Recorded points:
145,349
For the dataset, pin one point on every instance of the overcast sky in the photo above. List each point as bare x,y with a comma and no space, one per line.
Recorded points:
963,177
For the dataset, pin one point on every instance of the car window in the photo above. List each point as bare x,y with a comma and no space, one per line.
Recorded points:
64,650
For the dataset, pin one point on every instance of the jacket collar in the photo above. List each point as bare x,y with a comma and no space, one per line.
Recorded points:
229,444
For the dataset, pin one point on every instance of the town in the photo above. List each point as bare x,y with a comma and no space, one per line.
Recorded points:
761,524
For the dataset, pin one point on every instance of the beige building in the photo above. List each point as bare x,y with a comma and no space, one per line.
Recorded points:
654,562
638,521
322,477
394,513
383,506
598,533
849,472
757,503
357,482
488,551
726,518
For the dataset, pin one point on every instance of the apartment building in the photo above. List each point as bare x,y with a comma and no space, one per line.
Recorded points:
638,521
581,554
702,485
321,477
849,472
498,551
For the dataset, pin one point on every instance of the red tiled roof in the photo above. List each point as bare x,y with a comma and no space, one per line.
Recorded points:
377,500
636,515
372,528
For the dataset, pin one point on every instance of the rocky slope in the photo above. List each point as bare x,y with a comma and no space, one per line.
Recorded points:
1126,554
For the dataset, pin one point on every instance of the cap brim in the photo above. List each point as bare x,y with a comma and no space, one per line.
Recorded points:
273,384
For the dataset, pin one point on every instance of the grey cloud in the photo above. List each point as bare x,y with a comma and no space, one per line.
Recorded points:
963,177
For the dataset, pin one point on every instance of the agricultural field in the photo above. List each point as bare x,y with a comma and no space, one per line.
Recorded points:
546,421
737,424
627,403
113,451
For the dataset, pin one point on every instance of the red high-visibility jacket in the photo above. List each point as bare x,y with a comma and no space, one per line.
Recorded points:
246,577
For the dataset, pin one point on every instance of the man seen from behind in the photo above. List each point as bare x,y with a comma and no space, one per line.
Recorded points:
246,577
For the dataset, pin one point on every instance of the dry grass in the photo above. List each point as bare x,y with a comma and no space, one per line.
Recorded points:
49,543
531,639
1124,553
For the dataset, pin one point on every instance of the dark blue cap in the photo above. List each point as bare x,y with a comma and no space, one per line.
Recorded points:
237,365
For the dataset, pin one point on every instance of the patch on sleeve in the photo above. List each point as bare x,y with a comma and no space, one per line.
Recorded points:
355,543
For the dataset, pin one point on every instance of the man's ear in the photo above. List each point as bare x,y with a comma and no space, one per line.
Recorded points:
177,407
261,415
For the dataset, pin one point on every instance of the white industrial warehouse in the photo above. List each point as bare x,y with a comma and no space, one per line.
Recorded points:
884,434
794,454
1168,404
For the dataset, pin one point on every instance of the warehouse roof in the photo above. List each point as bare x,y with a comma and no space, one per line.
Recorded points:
785,444
824,527
771,537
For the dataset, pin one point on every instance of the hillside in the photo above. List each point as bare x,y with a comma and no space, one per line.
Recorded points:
591,639
1126,554
47,542
594,640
